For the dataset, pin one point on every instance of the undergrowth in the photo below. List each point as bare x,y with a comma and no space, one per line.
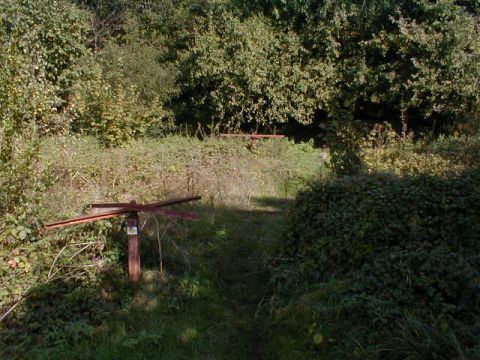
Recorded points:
197,298
381,261
379,264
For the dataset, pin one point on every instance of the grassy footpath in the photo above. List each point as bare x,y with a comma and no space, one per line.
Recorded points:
207,302
204,309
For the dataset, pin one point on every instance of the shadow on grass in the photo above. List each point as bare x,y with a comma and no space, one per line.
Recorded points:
204,304
277,204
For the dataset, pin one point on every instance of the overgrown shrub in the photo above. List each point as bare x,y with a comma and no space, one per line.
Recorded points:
26,107
112,112
249,73
356,150
53,35
408,61
365,256
27,98
384,150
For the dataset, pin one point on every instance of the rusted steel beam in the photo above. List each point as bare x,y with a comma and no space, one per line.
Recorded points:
155,210
133,247
110,214
131,209
139,207
177,214
176,201
85,219
254,136
126,208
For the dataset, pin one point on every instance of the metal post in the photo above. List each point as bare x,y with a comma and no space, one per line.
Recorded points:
133,247
131,210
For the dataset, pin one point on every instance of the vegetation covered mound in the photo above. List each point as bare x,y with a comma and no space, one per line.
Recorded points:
385,267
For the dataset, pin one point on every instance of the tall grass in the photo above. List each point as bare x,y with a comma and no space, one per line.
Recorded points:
206,295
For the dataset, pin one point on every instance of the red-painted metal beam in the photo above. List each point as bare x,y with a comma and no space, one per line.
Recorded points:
254,136
131,209
148,206
126,208
85,219
177,214
176,201
155,210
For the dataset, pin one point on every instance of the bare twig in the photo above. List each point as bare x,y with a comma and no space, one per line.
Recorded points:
18,302
86,245
159,241
51,275
55,260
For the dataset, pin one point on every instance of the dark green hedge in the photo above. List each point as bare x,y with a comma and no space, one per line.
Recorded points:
377,251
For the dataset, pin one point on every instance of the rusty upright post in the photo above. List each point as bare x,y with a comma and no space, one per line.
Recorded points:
131,210
133,247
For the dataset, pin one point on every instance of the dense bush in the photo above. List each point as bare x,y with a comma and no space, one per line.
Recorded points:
404,61
226,65
370,257
53,35
383,150
111,111
356,149
27,97
247,72
26,106
40,43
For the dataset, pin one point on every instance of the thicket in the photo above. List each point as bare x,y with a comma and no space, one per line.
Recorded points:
381,260
381,149
409,62
381,266
228,65
412,63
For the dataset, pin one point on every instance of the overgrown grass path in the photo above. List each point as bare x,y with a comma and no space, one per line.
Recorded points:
207,302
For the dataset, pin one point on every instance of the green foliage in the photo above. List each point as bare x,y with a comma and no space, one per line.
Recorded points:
345,147
138,58
26,97
81,305
139,63
55,36
112,112
356,150
410,62
30,258
363,250
436,67
41,42
224,65
457,149
388,263
247,72
383,150
218,169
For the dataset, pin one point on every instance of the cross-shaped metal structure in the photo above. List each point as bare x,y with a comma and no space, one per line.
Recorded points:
131,209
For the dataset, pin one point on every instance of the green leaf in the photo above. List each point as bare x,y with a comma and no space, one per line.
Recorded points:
318,338
22,235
